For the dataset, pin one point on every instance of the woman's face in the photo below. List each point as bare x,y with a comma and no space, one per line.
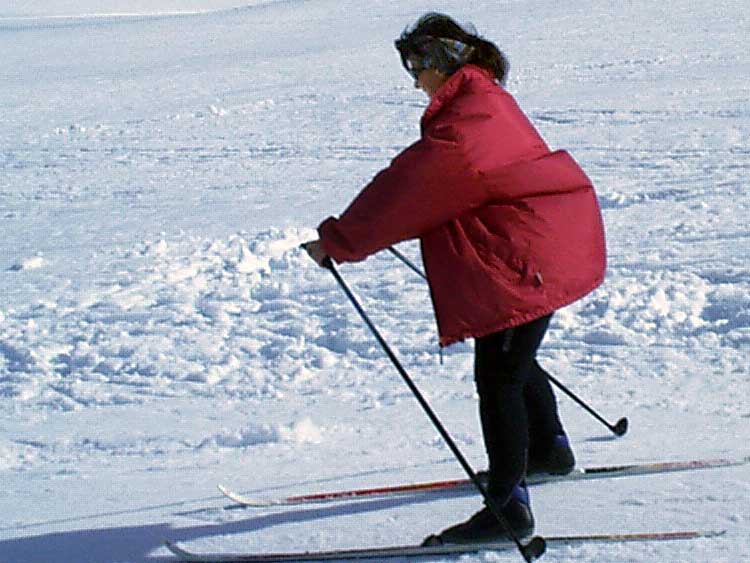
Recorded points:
427,79
430,81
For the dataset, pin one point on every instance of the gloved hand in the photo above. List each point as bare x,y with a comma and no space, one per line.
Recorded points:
315,249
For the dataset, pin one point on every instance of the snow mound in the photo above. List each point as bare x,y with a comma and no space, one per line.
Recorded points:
33,263
239,317
300,432
14,456
631,307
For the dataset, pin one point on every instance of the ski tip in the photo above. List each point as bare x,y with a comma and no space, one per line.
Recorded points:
175,549
432,540
621,427
534,549
244,501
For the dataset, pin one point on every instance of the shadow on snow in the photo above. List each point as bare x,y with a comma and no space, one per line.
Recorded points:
138,543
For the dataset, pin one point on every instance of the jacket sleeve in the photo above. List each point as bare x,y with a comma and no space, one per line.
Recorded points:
426,185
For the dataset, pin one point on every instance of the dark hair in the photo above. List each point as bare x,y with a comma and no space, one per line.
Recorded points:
437,26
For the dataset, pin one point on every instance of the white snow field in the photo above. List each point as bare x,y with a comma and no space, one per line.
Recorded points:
161,332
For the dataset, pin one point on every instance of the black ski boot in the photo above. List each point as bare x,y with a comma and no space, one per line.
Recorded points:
558,460
484,526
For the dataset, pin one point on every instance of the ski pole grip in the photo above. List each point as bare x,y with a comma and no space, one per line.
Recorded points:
327,262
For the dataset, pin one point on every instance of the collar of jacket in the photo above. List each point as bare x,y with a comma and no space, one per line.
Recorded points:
465,75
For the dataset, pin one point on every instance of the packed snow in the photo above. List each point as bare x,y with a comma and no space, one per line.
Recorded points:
161,331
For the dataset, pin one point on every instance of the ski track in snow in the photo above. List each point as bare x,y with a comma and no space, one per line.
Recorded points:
161,331
17,15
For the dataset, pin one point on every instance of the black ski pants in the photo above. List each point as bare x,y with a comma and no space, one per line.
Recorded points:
517,406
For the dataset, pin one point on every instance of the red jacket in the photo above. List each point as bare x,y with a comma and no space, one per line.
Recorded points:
509,231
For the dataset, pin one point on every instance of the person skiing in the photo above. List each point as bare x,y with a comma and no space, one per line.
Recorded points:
509,232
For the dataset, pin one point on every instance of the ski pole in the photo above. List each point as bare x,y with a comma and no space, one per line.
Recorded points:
536,546
619,429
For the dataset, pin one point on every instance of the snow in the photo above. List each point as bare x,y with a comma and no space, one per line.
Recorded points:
161,332
71,9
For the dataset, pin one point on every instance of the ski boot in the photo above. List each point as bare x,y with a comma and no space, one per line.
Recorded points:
558,460
485,527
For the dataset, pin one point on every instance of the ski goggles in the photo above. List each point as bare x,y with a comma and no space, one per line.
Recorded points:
425,52
416,66
414,55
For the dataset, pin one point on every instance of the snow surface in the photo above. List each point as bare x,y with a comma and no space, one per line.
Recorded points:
161,332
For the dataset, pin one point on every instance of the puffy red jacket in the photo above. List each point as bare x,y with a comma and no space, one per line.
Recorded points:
509,231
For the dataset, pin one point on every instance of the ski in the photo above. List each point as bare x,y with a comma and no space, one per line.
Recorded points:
465,485
380,553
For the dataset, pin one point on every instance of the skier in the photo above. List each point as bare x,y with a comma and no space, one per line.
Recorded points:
510,232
